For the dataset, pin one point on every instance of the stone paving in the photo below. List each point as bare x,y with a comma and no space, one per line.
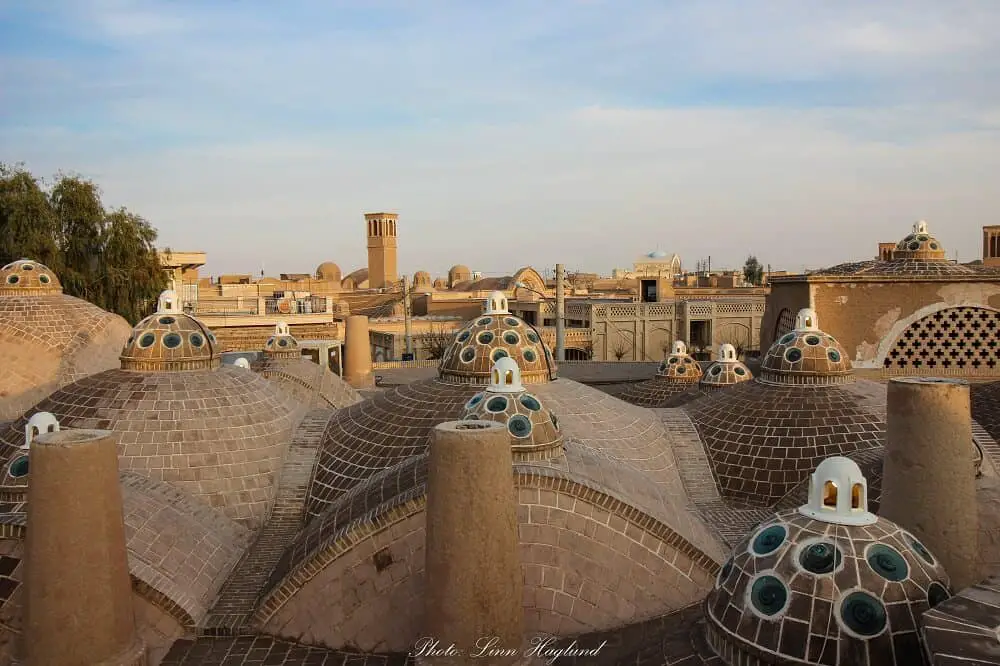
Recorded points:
238,597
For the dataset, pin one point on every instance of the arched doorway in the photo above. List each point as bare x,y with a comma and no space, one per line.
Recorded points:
958,340
574,354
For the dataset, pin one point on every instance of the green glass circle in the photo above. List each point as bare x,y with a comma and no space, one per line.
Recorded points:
681,369
147,340
463,336
270,341
485,321
812,340
531,402
167,321
197,340
531,336
474,400
172,341
768,595
519,425
19,467
211,338
511,338
13,279
788,337
820,558
886,562
863,614
914,246
919,549
688,359
510,321
794,354
740,371
937,593
529,355
283,342
716,370
934,246
769,540
833,355
499,353
496,404
27,267
43,278
672,360
922,237
485,338
468,355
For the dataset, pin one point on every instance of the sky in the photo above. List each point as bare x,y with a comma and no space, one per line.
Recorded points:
516,132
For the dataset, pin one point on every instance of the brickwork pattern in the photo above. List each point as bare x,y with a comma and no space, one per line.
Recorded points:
237,599
658,391
960,340
267,651
218,435
11,573
242,338
764,439
912,269
377,434
963,629
776,599
48,341
807,357
309,385
170,341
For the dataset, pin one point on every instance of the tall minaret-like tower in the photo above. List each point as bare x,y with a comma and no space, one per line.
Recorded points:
381,249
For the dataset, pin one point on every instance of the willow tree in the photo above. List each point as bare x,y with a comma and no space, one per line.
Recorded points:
106,257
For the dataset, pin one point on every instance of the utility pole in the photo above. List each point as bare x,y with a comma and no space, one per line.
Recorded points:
560,314
407,324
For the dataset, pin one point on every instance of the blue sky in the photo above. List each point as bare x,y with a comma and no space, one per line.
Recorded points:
516,132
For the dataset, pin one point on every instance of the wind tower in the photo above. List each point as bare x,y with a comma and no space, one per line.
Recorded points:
381,249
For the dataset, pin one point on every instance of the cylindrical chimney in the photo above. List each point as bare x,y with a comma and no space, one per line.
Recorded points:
78,594
474,584
357,352
928,478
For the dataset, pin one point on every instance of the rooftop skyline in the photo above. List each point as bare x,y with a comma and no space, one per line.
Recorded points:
520,133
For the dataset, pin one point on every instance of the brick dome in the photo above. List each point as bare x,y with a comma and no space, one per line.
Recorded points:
826,583
533,428
170,340
458,273
676,375
679,365
282,344
328,271
493,335
49,339
919,244
806,355
217,434
727,370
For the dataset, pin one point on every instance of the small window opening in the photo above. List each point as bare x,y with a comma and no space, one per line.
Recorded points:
509,377
829,495
857,496
496,377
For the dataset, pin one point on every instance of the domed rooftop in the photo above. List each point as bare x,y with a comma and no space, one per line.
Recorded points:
495,335
308,385
328,271
216,433
170,340
25,276
49,339
282,344
422,278
828,583
764,436
676,374
727,369
657,254
919,244
806,355
534,430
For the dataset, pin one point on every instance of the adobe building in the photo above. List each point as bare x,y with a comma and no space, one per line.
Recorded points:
915,312
382,272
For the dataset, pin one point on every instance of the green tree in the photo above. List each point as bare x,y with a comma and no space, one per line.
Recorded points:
753,271
106,257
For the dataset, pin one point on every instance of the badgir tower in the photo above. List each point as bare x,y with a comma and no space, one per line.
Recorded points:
835,504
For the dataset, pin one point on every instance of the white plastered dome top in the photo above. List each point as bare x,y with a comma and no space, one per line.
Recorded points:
838,494
496,304
806,320
727,353
678,348
505,377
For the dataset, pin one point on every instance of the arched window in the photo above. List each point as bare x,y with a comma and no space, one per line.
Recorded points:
496,376
857,496
509,377
829,495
